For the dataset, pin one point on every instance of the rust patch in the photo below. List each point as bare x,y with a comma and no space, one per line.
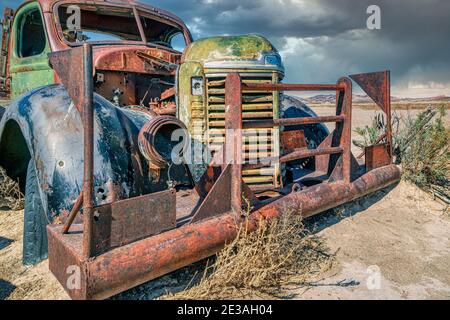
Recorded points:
377,156
292,140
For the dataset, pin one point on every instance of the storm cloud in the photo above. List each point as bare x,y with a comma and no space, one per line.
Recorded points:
323,40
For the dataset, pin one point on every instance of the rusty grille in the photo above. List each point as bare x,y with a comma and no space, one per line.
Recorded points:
258,144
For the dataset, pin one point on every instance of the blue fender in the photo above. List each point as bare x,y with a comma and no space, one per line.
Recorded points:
49,128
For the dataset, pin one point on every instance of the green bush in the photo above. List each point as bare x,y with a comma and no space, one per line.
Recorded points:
422,148
371,133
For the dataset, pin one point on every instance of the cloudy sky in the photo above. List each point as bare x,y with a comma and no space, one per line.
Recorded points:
322,40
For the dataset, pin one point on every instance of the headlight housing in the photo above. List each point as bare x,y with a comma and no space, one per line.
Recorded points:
273,59
197,85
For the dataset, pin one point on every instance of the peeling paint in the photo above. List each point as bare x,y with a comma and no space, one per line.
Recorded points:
248,47
53,131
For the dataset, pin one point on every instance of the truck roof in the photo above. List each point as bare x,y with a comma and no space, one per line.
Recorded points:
47,6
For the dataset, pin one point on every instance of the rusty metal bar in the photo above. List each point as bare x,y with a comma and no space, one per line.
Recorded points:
377,85
306,153
296,155
387,90
267,87
233,131
379,139
4,55
259,124
139,23
325,196
346,128
343,132
73,213
88,122
142,261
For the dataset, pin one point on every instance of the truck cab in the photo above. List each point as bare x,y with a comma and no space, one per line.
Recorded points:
131,40
28,51
145,57
145,66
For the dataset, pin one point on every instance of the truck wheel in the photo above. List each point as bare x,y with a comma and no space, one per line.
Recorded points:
35,247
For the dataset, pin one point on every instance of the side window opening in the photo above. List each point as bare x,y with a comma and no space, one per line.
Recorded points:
31,36
178,42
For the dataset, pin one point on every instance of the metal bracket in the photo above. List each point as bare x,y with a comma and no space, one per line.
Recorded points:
377,85
69,65
217,201
74,68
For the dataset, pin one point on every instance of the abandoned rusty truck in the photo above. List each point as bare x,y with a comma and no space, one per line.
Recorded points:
106,120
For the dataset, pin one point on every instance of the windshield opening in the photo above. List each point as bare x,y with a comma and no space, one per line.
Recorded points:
162,33
98,23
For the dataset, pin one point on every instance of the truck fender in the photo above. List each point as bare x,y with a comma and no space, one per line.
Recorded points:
44,125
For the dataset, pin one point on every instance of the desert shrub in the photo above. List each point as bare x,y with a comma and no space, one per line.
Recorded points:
422,147
10,194
261,264
370,134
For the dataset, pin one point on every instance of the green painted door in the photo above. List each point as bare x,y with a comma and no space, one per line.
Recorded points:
29,68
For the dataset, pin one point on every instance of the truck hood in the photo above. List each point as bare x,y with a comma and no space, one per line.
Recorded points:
233,50
248,47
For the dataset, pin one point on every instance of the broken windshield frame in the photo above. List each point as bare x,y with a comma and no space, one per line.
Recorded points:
119,24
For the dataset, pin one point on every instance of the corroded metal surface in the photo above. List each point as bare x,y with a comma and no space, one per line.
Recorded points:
127,221
132,60
377,85
244,48
123,246
4,54
377,156
306,153
156,150
293,140
233,138
80,87
73,214
325,196
293,121
218,200
129,266
344,128
69,66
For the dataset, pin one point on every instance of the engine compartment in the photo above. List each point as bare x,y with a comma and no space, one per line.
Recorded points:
142,77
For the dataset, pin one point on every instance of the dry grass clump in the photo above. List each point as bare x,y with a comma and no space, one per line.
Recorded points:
262,264
423,149
10,194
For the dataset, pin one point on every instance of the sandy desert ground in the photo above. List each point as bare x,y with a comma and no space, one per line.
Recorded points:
394,244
